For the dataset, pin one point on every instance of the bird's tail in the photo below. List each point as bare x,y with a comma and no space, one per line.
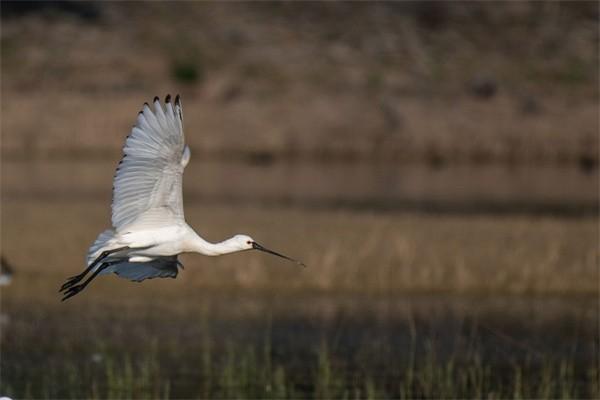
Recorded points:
102,242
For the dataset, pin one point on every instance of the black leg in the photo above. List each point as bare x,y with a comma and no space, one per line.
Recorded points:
77,278
78,288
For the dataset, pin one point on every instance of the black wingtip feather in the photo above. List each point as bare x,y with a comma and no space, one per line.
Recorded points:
155,99
177,100
168,98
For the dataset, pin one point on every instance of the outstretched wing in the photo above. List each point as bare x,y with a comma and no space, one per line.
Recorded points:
147,184
161,267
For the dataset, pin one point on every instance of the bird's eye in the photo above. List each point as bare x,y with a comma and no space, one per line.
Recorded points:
248,242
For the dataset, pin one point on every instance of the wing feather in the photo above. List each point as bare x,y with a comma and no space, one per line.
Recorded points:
149,176
161,267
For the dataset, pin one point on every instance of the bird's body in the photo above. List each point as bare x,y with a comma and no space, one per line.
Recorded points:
149,230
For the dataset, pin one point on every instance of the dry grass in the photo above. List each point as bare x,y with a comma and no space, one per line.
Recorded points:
391,305
80,124
369,253
316,81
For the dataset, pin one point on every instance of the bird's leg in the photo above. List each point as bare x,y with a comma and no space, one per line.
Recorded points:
75,279
73,290
106,253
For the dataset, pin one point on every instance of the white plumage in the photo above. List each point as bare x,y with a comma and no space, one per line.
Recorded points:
149,175
148,225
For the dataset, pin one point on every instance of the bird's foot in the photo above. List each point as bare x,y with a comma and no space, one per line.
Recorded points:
71,281
72,291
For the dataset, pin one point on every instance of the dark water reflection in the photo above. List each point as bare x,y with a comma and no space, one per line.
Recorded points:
383,186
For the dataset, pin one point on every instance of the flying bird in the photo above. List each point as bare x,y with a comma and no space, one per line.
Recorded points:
148,226
6,272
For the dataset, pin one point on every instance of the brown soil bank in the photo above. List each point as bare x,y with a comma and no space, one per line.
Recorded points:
433,82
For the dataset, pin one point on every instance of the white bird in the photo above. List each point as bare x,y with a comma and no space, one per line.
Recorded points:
6,272
148,227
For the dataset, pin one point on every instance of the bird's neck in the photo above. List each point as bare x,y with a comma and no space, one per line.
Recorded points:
195,244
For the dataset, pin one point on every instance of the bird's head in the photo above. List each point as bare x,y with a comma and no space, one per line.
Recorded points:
242,242
245,242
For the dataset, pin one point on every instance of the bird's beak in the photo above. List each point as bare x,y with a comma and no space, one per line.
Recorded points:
257,246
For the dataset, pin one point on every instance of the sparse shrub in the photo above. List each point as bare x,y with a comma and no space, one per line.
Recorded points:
187,71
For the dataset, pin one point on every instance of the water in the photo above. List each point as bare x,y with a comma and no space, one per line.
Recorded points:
460,189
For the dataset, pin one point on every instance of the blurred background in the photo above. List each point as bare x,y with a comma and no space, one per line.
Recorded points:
434,164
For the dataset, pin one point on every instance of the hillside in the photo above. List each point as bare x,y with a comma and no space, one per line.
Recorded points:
433,82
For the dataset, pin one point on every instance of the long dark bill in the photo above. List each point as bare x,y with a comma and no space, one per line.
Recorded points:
257,246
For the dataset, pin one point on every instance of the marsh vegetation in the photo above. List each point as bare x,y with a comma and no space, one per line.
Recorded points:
392,305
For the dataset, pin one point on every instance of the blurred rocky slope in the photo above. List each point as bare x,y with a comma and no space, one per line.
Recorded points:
418,82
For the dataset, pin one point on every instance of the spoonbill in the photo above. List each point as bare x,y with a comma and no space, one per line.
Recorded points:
148,226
